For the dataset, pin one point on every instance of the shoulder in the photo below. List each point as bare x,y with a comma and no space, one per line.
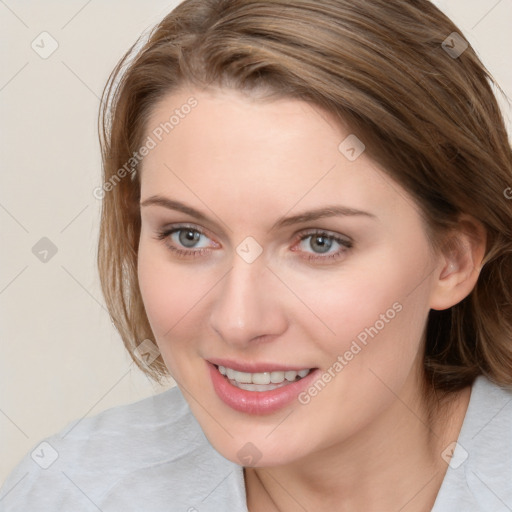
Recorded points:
148,455
479,474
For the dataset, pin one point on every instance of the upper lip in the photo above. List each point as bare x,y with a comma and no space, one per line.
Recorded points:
256,367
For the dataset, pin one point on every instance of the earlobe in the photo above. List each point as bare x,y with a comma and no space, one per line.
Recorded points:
459,264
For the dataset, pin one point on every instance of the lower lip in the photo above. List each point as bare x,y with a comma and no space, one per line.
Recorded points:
257,402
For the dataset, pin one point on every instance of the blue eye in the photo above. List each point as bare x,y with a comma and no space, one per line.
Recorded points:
187,237
186,241
320,245
315,246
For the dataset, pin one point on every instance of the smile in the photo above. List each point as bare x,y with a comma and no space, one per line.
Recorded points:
262,381
259,392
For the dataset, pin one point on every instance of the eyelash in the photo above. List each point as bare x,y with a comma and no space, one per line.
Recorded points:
163,235
345,244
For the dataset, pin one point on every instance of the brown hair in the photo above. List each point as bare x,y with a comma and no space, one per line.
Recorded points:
428,117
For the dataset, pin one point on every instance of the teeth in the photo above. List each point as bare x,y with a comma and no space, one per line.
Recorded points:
244,377
290,375
276,377
263,378
257,378
258,387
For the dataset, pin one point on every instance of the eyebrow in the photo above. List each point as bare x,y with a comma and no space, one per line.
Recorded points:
320,213
173,205
307,216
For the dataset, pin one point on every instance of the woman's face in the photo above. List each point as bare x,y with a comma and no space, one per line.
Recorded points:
284,248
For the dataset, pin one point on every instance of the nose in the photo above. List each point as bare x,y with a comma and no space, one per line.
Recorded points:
247,306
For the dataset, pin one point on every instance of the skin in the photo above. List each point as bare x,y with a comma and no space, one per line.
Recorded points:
365,441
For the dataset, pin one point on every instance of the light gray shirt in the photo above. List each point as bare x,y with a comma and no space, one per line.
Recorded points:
152,456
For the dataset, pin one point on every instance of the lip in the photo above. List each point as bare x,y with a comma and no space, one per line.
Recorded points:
253,367
258,402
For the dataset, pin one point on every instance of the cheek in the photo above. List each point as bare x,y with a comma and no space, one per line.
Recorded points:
167,299
168,293
373,314
378,325
174,296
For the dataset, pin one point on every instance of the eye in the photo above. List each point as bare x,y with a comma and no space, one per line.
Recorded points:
322,245
186,240
189,238
319,243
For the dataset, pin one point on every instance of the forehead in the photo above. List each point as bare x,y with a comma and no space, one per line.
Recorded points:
258,156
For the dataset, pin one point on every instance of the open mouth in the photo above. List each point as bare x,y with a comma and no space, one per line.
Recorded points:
262,392
262,381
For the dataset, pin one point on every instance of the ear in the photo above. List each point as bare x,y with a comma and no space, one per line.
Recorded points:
460,262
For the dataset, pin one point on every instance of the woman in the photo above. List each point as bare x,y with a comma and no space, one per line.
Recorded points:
307,223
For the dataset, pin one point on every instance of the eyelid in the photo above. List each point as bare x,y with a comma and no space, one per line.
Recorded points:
186,225
300,235
164,233
329,234
160,217
345,242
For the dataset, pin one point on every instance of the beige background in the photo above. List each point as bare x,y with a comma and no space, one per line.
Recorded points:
61,358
